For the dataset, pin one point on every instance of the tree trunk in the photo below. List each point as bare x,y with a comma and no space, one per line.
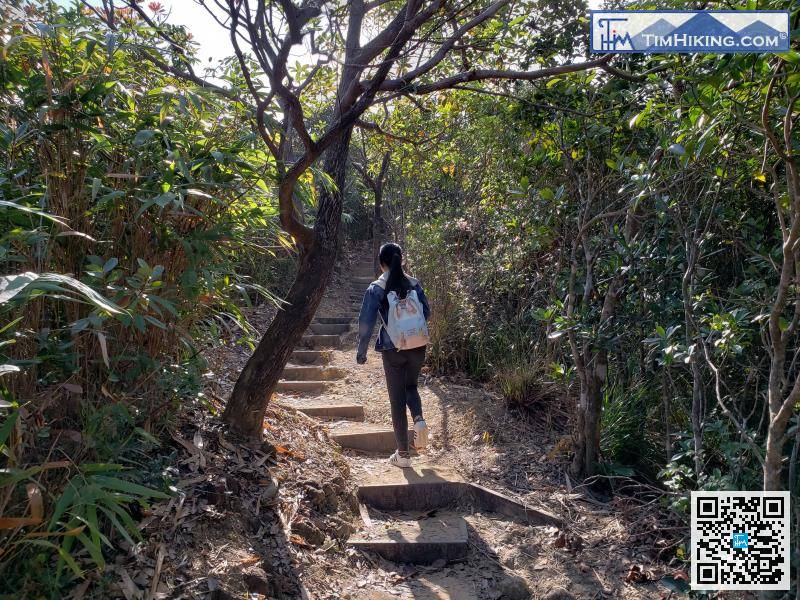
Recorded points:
776,430
587,442
665,393
251,394
692,336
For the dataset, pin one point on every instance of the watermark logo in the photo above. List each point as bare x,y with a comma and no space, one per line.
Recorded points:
664,31
739,540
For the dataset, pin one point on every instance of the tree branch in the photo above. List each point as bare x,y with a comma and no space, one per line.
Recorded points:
400,85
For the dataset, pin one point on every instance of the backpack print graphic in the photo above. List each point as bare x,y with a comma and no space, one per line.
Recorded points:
406,324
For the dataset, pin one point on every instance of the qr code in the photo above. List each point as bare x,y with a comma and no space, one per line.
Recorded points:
740,540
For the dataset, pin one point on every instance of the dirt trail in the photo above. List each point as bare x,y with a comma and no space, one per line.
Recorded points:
598,554
289,517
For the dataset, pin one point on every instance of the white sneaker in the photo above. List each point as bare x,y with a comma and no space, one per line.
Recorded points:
420,434
399,461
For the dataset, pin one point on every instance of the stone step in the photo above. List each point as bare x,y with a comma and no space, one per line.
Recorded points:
428,487
320,341
421,488
309,357
365,437
334,320
311,373
362,281
492,501
417,541
328,328
329,410
301,387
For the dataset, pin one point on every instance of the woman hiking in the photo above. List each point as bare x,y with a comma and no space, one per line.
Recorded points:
404,311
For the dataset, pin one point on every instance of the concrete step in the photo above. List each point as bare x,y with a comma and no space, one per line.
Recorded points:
423,487
362,281
334,320
301,387
417,541
322,409
320,341
328,328
311,373
428,487
309,357
365,437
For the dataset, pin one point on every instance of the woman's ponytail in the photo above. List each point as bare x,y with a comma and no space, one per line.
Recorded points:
391,255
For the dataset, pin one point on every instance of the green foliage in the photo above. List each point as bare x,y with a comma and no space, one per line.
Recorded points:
128,198
137,221
665,185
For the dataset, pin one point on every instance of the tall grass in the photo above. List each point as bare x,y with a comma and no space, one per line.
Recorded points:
135,211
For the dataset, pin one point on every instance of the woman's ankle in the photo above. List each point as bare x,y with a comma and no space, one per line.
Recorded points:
418,418
403,454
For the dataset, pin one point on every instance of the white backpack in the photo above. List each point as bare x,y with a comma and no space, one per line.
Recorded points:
406,324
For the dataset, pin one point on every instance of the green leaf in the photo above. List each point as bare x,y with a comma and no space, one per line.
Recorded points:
114,512
128,487
94,550
8,426
64,502
676,149
6,369
13,285
33,211
95,187
143,136
63,554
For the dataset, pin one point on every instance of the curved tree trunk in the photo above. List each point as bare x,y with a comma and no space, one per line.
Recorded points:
245,409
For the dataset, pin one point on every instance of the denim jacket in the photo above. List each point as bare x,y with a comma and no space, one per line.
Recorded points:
371,306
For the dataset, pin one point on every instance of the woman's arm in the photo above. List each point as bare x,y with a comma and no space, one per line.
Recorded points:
366,320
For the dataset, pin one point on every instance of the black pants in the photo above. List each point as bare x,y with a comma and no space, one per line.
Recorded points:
402,369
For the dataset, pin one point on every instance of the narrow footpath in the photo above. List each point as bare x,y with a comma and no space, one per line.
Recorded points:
472,519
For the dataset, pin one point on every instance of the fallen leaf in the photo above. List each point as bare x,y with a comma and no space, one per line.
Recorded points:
292,453
14,522
250,560
299,541
35,501
638,575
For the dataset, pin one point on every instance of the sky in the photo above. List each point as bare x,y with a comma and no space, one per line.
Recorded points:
212,39
210,36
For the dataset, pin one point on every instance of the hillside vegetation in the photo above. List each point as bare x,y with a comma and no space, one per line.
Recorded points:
617,241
